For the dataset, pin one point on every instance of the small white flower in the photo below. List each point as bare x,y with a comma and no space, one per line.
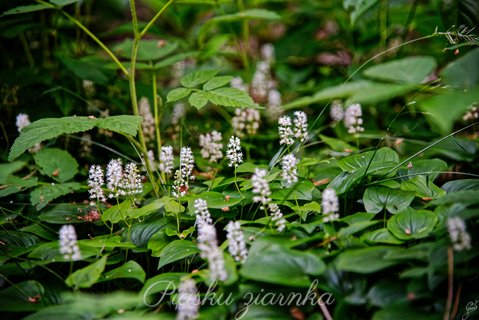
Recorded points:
300,126
22,121
148,124
277,217
211,146
289,173
233,152
114,177
185,173
188,300
457,231
330,205
132,180
261,82
353,118
88,88
68,243
267,53
245,122
95,183
236,241
202,214
285,130
260,187
337,112
166,159
274,104
238,83
179,111
471,114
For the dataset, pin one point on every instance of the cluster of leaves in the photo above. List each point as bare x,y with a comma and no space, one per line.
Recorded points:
388,256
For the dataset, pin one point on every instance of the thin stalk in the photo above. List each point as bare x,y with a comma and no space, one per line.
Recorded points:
89,33
245,36
158,112
26,48
152,21
450,282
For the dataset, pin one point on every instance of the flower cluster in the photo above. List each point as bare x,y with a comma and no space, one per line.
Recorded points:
245,122
207,242
233,152
68,243
471,114
330,205
457,231
289,173
353,118
22,121
148,124
289,129
188,302
119,181
236,242
211,146
336,112
185,173
277,217
166,159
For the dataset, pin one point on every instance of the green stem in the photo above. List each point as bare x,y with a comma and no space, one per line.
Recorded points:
28,52
152,21
158,112
245,36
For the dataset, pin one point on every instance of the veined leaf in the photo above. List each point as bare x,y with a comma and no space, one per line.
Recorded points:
56,163
177,250
130,269
198,77
177,94
411,224
41,196
362,160
231,97
217,82
88,276
406,70
199,99
379,198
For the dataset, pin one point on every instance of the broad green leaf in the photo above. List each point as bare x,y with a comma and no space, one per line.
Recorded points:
175,58
406,70
129,270
301,191
445,108
105,242
423,187
64,213
41,196
336,144
84,69
361,160
463,72
16,185
148,209
199,99
87,276
158,241
6,169
376,199
56,163
461,184
50,252
430,167
148,49
364,260
26,9
358,217
387,292
216,200
15,297
117,213
381,236
177,94
177,250
142,232
173,206
270,262
167,283
231,97
196,78
411,224
49,128
464,197
216,82
358,8
356,227
126,124
403,311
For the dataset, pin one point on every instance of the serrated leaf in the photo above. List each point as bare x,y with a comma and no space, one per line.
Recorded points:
6,169
41,196
217,82
49,128
88,276
177,94
177,250
411,224
129,270
198,77
56,163
232,97
199,99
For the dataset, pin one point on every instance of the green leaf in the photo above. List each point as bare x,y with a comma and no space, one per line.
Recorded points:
177,94
464,72
175,58
166,282
7,169
430,167
15,298
148,49
49,128
64,213
217,82
26,9
361,160
464,197
177,250
16,185
125,124
423,187
403,312
411,224
356,227
199,99
448,106
84,69
381,236
117,213
270,262
232,97
173,206
41,196
198,77
301,191
88,276
148,209
365,260
377,199
129,270
359,7
142,232
406,70
216,200
49,252
56,163
461,184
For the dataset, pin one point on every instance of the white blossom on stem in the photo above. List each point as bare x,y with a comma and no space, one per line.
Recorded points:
188,302
211,146
68,243
166,159
353,118
285,130
461,240
114,178
22,121
236,241
233,152
277,217
289,173
336,112
260,188
131,180
185,173
300,126
95,183
330,205
245,122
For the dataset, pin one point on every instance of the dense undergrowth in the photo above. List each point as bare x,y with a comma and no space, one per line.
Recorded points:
239,159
